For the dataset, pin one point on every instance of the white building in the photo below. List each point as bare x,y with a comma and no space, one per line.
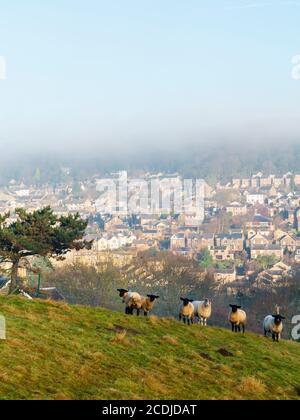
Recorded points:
255,199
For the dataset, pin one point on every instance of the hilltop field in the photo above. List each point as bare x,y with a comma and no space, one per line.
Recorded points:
57,351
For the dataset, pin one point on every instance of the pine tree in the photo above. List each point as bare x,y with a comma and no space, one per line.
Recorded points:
40,233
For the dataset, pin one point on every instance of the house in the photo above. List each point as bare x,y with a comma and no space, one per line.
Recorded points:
255,198
266,251
222,253
258,239
259,222
109,242
178,241
266,182
278,272
200,241
235,241
237,209
193,240
225,275
289,242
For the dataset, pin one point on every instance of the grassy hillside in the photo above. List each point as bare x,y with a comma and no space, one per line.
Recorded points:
55,351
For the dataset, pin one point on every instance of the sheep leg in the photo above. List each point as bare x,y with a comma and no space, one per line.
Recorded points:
232,327
184,320
244,329
180,317
138,312
145,313
205,322
273,336
266,333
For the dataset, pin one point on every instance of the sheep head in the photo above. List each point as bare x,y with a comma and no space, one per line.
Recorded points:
122,292
186,301
207,303
152,298
235,308
278,319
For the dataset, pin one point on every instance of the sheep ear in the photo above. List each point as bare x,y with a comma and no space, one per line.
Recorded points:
191,300
156,297
149,296
239,307
231,306
282,317
182,299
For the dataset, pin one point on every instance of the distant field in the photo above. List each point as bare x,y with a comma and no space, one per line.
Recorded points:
56,351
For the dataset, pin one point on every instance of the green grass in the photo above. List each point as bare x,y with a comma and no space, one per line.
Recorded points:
56,351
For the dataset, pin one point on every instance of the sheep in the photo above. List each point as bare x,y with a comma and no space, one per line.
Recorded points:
148,303
202,309
237,318
273,324
132,301
186,311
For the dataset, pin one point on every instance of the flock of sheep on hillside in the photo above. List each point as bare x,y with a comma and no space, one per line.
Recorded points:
193,311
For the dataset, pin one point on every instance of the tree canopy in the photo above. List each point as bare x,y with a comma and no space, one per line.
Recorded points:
40,233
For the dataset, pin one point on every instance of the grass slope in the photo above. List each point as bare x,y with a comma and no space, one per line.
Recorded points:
56,351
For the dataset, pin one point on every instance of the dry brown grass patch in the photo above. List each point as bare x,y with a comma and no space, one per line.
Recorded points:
251,385
154,384
171,340
120,338
154,320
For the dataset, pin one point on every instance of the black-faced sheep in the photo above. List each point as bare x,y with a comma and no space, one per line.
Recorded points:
186,311
148,303
237,318
273,325
202,310
132,301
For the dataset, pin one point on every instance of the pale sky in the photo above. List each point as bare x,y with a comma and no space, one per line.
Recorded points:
97,74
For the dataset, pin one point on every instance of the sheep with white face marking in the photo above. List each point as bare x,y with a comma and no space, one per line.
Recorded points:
132,300
273,325
202,310
186,311
237,318
148,303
